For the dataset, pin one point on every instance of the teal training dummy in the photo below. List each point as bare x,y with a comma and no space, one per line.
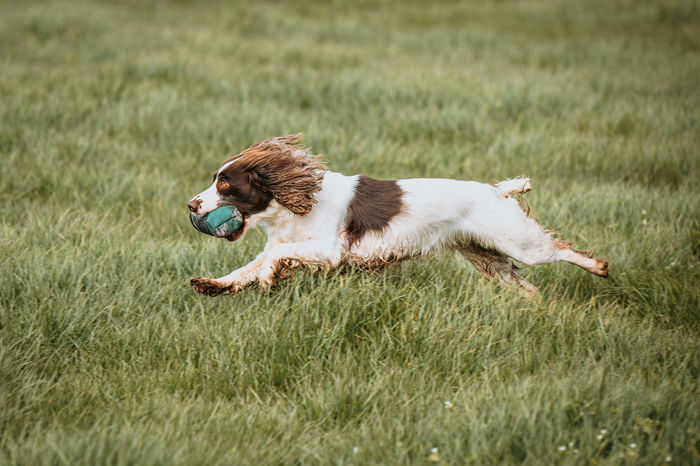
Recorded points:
221,222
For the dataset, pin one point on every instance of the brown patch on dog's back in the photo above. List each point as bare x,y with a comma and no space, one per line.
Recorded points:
373,206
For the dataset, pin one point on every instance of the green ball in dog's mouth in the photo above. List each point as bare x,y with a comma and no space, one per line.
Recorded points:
221,222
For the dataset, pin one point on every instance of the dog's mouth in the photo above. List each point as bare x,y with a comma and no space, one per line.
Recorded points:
223,222
237,234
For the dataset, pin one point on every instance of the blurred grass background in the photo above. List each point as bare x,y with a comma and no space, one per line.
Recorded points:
113,114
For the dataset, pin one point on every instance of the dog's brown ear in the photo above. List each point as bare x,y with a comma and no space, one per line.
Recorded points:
288,172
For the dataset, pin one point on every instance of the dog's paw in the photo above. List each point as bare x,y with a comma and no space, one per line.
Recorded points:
207,286
602,268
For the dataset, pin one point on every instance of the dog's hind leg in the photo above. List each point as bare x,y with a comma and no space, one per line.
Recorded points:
496,266
511,232
584,260
534,248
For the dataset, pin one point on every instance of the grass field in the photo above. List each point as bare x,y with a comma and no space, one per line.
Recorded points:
113,114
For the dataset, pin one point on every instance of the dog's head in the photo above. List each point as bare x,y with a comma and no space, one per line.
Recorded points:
271,170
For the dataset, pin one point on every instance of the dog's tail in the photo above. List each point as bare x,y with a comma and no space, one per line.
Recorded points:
507,188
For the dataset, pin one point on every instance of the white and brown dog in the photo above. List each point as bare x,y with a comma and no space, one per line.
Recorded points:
317,218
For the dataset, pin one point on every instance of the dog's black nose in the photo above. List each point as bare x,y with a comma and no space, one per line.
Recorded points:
194,204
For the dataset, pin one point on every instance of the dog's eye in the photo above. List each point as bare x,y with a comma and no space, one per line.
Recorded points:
223,184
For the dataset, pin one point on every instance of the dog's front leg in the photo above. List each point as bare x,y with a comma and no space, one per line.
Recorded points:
270,265
284,257
232,283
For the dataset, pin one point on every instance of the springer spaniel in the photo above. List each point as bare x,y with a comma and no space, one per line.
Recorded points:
316,218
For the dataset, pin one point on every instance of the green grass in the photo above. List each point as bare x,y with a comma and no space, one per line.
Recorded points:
113,114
